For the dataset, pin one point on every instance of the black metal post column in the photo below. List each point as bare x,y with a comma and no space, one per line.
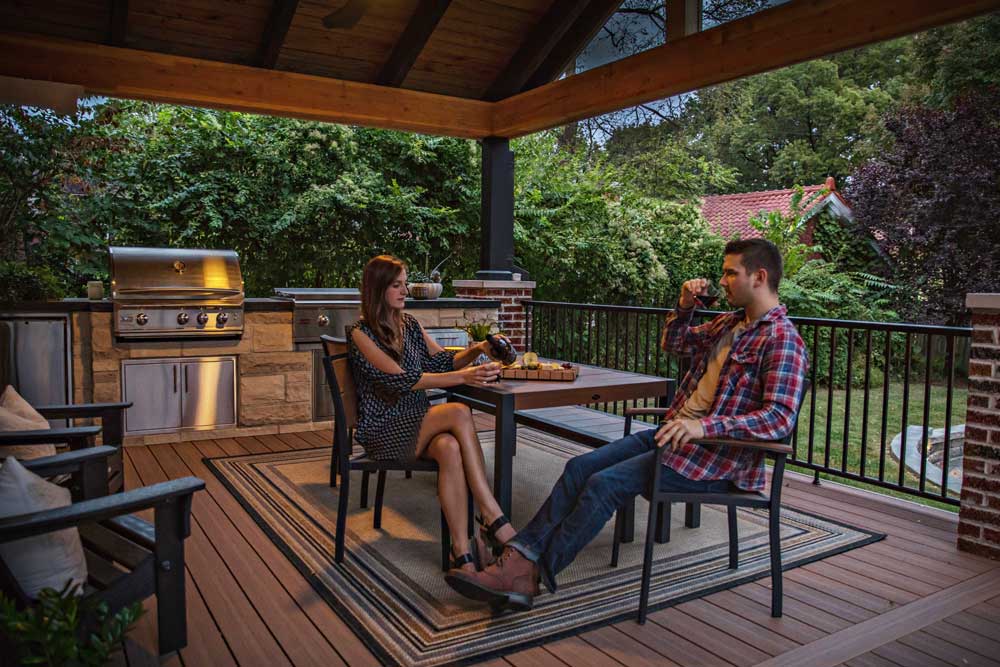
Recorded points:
497,213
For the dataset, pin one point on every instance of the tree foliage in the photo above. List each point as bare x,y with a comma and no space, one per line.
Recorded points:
933,200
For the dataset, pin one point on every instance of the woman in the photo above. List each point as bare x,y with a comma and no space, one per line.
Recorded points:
393,360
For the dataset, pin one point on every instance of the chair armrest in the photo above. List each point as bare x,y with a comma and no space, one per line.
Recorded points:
772,446
67,462
80,410
51,435
98,509
635,412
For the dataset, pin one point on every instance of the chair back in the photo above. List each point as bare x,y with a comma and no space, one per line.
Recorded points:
344,396
333,346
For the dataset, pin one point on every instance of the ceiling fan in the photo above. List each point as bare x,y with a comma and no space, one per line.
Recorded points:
347,15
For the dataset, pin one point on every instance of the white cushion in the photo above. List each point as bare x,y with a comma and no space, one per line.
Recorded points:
16,414
44,561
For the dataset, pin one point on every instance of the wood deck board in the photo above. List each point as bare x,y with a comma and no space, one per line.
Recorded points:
233,621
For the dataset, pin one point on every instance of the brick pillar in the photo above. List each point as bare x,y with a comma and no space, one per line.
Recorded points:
510,294
979,518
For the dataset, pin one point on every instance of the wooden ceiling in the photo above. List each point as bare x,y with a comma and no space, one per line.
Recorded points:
470,68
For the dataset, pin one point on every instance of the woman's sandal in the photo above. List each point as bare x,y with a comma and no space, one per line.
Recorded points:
489,533
458,561
483,555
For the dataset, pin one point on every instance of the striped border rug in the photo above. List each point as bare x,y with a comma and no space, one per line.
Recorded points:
390,587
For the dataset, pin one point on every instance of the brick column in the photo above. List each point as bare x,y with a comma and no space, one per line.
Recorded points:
510,294
979,518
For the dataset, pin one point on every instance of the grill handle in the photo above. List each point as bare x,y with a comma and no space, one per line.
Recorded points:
175,378
174,292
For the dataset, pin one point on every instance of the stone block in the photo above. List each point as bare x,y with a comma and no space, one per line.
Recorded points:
275,413
298,387
152,350
272,363
107,392
281,317
101,339
295,428
217,348
262,389
272,337
427,318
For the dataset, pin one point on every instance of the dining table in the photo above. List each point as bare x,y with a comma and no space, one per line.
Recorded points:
505,398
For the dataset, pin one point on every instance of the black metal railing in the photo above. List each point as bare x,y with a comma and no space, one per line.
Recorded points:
878,390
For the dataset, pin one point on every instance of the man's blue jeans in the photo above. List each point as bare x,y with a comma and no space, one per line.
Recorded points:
592,487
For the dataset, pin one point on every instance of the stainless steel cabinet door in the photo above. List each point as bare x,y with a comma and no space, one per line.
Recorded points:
154,389
209,393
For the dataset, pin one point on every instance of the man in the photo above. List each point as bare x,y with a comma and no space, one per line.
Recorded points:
746,378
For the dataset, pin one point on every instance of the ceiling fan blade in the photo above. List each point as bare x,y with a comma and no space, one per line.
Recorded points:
347,16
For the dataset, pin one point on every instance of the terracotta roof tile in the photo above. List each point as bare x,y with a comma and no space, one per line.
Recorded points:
729,215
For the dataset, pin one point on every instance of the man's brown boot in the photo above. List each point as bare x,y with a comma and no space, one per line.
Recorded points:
512,581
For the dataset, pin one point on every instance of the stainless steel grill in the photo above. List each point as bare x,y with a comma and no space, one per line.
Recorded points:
318,311
176,293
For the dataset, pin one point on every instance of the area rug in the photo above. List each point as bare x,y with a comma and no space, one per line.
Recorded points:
390,588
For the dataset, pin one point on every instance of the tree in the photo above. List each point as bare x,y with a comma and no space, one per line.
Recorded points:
933,201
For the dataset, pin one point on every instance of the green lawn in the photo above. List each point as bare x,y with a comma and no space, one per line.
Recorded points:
855,423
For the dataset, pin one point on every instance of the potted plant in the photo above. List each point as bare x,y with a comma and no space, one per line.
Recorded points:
426,285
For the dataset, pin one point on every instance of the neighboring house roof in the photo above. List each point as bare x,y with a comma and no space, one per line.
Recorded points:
729,215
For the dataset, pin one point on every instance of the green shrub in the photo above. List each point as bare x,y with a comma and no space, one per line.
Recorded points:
20,282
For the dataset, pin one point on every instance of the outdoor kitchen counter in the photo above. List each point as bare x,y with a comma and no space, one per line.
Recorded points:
275,378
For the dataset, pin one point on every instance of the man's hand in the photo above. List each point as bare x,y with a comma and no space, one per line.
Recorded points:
689,289
679,432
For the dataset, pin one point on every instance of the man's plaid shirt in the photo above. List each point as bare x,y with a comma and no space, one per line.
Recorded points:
760,384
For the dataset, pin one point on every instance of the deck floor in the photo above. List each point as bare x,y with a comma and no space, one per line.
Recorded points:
911,599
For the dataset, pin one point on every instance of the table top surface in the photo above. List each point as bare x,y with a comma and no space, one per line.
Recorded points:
591,379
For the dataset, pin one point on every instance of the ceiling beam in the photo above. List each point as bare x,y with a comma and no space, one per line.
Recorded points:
411,42
683,18
155,77
574,41
777,37
538,44
278,23
118,27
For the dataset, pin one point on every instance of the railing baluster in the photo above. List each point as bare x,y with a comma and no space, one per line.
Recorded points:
864,413
812,398
848,378
829,397
908,358
886,381
925,443
949,366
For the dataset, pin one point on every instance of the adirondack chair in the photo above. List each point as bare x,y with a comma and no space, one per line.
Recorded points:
128,559
111,427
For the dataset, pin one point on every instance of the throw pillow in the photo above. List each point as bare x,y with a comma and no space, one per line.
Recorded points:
16,414
44,561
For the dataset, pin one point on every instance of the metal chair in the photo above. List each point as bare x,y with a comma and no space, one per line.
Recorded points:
338,373
128,559
659,506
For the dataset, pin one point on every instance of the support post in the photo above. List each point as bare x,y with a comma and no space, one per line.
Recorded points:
497,215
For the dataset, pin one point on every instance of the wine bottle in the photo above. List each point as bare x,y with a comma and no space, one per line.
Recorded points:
502,349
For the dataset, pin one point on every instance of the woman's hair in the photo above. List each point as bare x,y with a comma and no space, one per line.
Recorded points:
385,322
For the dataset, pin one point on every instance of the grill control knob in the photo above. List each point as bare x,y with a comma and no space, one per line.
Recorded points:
202,319
323,320
141,319
182,318
221,318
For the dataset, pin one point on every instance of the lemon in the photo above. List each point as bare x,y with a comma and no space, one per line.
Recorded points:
530,359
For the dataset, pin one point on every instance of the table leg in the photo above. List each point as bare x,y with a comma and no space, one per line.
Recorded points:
503,468
692,515
628,521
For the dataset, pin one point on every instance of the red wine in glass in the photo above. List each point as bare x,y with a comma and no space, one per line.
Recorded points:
708,299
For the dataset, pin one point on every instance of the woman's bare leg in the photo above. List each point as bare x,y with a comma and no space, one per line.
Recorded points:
456,419
452,491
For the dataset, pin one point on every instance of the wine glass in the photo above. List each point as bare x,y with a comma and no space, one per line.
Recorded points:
708,298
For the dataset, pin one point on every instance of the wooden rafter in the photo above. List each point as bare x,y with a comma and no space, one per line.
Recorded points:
278,23
118,27
784,35
411,42
538,44
564,53
156,77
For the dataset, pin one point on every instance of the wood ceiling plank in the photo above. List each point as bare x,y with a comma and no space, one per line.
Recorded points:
784,35
156,77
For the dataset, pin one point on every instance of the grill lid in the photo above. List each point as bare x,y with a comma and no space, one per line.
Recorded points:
144,275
